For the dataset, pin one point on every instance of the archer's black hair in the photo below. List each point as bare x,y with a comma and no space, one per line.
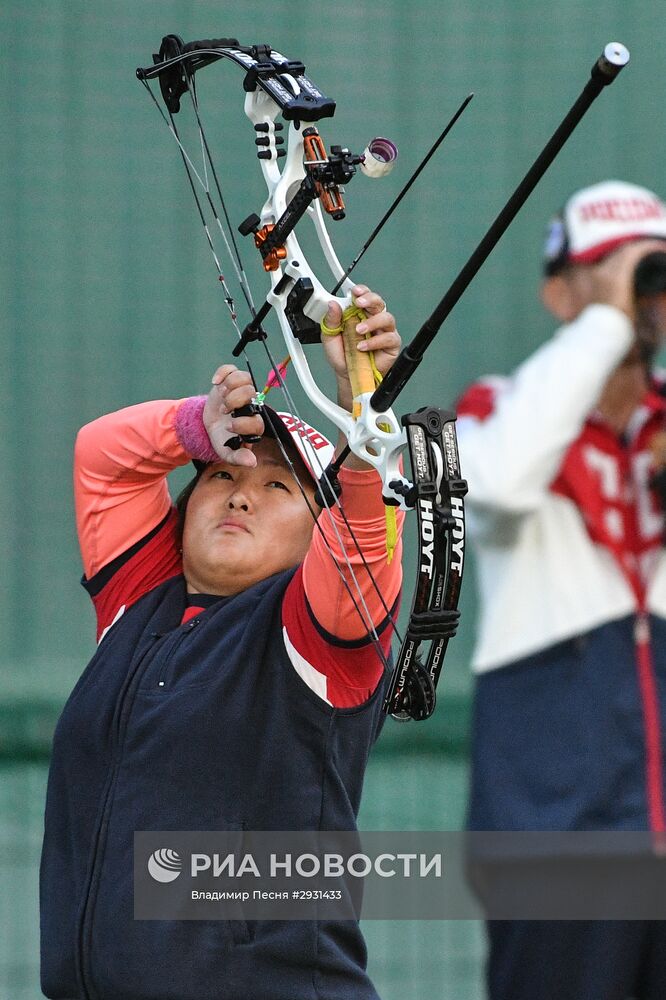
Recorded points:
182,501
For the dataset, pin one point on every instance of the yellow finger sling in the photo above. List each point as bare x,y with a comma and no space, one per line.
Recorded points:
364,377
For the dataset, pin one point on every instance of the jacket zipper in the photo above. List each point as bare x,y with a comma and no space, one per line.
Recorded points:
183,631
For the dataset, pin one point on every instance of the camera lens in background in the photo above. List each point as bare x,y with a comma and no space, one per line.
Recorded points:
650,292
650,274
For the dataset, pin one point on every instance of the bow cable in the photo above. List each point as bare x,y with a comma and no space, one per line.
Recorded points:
190,170
235,256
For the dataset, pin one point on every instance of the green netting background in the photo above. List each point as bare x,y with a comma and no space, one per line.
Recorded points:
108,297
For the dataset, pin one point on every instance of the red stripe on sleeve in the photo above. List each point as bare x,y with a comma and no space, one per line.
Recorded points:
347,672
154,563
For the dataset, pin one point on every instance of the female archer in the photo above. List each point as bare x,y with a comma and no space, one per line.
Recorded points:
234,685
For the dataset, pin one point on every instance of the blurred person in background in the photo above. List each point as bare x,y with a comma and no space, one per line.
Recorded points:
563,460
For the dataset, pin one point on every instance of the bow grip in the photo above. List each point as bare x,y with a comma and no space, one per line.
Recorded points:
359,363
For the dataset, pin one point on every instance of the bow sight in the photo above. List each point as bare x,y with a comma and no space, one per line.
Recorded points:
324,176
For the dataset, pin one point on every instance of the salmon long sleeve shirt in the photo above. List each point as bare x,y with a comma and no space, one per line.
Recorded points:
200,712
127,528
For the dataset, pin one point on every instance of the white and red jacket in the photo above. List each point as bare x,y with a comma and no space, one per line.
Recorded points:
567,532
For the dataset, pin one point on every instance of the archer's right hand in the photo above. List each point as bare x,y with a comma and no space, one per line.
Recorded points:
231,389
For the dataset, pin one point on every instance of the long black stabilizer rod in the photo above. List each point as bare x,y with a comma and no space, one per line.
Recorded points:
389,212
604,71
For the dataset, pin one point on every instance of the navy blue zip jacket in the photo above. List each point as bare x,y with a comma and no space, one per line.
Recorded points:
155,736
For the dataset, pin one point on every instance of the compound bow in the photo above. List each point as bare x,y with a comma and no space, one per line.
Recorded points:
309,182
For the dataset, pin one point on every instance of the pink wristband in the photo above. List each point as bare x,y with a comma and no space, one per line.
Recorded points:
191,432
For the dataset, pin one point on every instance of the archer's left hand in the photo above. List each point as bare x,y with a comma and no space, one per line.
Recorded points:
379,335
